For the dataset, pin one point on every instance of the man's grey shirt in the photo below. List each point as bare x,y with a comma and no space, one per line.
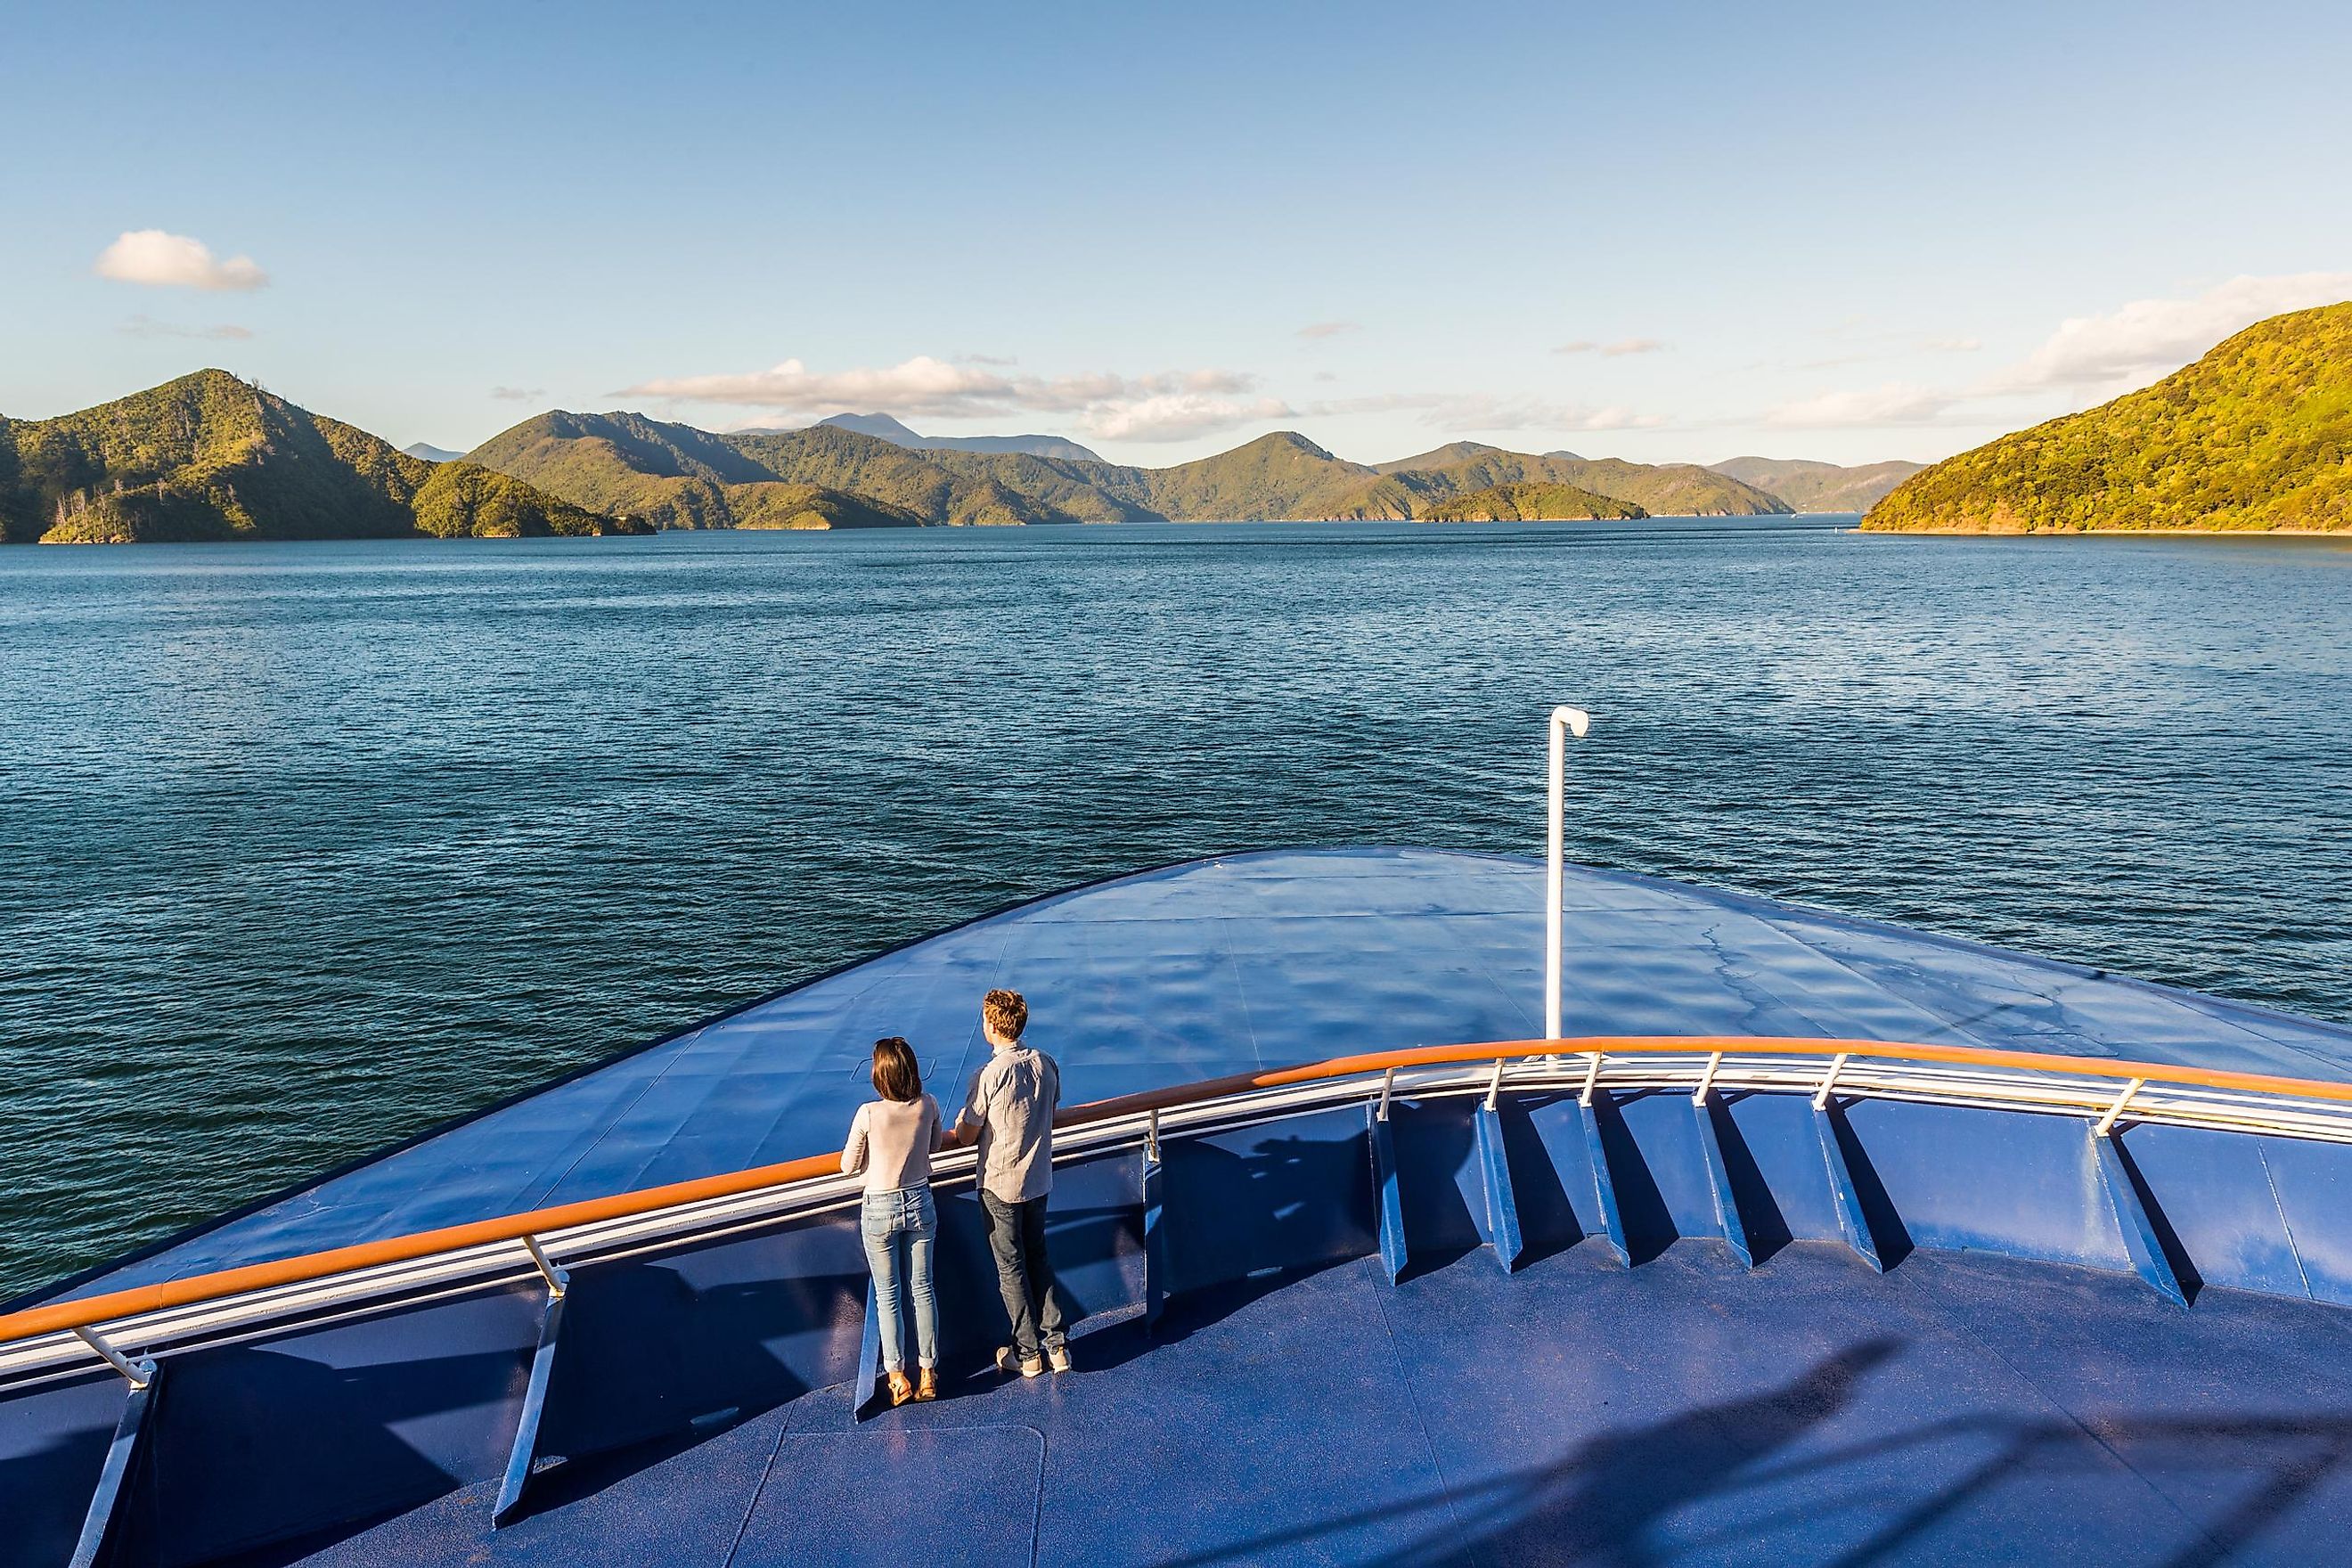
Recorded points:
1012,1101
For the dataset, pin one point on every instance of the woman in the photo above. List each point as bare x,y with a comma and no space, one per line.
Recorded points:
892,1139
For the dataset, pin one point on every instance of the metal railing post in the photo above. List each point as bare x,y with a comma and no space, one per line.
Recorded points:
1564,720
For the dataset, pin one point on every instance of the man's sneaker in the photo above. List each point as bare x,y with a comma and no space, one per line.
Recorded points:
1058,1356
1029,1366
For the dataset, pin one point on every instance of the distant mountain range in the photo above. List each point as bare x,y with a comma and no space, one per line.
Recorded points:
1818,487
2257,435
889,429
210,457
677,476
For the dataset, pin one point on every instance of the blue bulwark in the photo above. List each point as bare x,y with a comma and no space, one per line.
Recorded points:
1501,1209
1604,1191
1852,1222
1385,1197
534,1401
1718,1183
2148,1258
98,1524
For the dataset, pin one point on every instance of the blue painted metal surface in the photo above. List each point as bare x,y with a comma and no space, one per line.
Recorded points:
1155,1243
98,1526
534,1401
1734,1231
1604,1183
869,1353
1255,1248
1808,1413
1501,1208
1238,963
2132,1220
1854,1223
1388,1193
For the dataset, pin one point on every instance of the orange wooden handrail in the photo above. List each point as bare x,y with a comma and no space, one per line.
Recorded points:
90,1311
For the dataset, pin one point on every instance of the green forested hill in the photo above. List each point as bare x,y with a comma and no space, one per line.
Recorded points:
211,456
1662,490
683,477
1818,487
2256,435
1529,504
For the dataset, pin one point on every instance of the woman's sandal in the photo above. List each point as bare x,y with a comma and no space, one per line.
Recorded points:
901,1390
927,1384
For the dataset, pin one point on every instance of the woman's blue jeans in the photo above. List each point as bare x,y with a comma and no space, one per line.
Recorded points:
899,1226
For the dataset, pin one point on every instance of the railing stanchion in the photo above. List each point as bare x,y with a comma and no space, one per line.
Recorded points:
558,1281
1828,1080
2107,1122
1495,1086
1592,1081
138,1372
1388,1087
1707,1078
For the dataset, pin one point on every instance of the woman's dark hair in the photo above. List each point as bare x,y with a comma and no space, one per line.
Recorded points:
896,1074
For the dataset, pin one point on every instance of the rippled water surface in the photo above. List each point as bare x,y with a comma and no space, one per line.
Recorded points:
306,847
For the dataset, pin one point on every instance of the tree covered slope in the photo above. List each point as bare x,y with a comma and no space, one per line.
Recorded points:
209,456
679,477
2256,435
1818,487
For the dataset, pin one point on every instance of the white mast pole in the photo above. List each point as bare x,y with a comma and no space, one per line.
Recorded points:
1563,720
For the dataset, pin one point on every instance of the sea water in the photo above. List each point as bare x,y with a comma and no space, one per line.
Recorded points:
306,847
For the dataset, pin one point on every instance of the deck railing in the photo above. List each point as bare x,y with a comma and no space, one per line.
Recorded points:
124,1326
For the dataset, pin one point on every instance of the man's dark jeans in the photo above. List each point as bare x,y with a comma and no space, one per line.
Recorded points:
1016,1234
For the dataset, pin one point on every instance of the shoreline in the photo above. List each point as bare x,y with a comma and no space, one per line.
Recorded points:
2345,533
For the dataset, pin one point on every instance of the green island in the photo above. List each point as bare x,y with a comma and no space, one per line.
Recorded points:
209,456
1529,504
2257,436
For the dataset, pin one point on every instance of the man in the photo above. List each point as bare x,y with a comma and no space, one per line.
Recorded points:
1011,1111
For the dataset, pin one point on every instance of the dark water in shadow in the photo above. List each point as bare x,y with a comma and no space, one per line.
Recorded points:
307,847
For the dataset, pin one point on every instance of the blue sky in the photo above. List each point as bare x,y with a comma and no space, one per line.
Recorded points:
1661,231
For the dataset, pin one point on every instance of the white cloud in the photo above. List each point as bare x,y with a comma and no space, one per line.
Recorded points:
1896,403
149,327
1452,411
151,257
1179,415
1617,349
518,393
1167,406
2150,338
1328,328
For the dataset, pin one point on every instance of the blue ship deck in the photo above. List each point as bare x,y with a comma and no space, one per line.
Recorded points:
1957,1409
1236,964
1473,1327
